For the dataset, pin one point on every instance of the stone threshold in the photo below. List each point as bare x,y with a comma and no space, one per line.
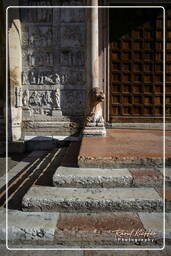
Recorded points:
138,125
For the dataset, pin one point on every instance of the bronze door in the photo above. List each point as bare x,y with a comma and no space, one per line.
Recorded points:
136,65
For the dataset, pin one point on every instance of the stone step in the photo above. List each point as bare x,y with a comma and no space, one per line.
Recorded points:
107,178
24,227
68,230
91,200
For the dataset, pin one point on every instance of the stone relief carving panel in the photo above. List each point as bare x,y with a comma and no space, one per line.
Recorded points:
38,77
41,101
40,58
53,77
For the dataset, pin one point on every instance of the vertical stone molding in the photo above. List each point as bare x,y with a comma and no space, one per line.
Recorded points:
15,69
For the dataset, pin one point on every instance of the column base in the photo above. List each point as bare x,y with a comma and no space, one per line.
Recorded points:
93,129
57,112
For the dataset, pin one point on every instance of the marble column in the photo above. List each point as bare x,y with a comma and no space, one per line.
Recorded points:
94,44
94,126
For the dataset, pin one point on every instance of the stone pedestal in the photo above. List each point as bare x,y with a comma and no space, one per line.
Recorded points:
27,111
57,112
93,129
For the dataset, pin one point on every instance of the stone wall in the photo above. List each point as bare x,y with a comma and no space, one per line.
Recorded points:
53,67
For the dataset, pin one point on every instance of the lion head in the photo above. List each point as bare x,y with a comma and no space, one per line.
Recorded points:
97,95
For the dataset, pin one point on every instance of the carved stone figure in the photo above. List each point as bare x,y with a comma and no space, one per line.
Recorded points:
96,96
32,77
56,79
64,78
25,98
48,79
32,60
35,99
47,99
40,78
18,93
25,78
56,98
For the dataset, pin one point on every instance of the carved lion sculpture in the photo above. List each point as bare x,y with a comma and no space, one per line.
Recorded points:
96,96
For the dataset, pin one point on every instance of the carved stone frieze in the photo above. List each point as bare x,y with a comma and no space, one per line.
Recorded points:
40,58
41,102
53,57
70,77
35,77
